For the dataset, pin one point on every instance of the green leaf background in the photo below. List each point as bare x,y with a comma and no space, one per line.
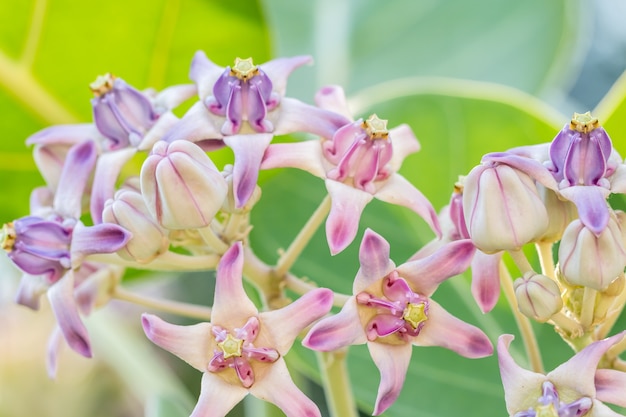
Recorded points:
468,77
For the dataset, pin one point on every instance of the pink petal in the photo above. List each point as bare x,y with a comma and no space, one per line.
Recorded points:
278,70
107,170
248,150
521,386
333,98
533,168
601,410
336,331
404,144
278,388
296,116
55,342
580,370
382,325
427,273
171,97
305,155
190,343
611,386
286,323
204,73
157,132
231,306
101,238
30,290
397,190
343,220
445,330
591,203
77,168
618,180
374,259
486,279
61,296
217,397
392,361
196,125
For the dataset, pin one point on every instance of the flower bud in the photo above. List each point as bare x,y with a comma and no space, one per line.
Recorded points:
538,297
120,112
181,186
502,208
560,214
591,261
129,210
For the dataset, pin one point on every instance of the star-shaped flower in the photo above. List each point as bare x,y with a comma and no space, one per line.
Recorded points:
572,389
391,310
241,351
359,162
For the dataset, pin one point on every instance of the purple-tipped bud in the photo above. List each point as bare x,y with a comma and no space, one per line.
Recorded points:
456,214
589,260
121,113
181,186
129,210
502,207
538,296
38,246
580,153
243,93
360,152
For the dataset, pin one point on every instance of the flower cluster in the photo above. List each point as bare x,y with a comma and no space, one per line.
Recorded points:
93,219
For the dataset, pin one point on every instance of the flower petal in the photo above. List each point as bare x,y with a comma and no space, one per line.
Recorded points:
286,323
278,388
392,361
278,70
343,220
374,260
581,368
611,386
427,273
231,304
101,238
337,331
397,190
296,116
55,342
601,410
333,98
486,279
248,150
618,180
30,290
107,170
157,132
445,330
61,296
190,343
196,125
171,97
521,386
404,144
217,397
305,155
79,162
590,201
531,167
204,73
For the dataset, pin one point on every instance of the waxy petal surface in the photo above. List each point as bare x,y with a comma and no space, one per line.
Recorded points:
305,155
486,279
374,260
217,397
392,361
337,331
611,386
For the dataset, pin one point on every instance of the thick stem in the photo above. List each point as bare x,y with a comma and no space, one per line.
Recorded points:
213,240
588,308
567,325
289,257
168,261
525,328
174,307
521,261
544,250
336,384
613,314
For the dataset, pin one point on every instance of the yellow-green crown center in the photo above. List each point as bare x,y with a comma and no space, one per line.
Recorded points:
376,128
547,410
102,84
7,237
414,314
244,69
584,122
231,346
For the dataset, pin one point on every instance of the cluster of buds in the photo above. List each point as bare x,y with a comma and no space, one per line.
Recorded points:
181,212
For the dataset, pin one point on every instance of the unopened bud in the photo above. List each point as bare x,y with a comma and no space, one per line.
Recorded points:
538,296
560,214
181,186
129,210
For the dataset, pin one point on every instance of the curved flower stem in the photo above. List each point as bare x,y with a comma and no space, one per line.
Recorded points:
212,239
619,302
336,383
289,257
525,328
588,308
168,261
521,261
174,307
544,250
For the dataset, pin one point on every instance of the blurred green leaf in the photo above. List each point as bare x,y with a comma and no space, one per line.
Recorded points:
161,406
530,45
611,112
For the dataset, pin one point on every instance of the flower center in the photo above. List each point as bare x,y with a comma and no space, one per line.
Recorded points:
414,314
231,346
584,122
244,69
8,236
376,128
551,406
547,410
102,85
